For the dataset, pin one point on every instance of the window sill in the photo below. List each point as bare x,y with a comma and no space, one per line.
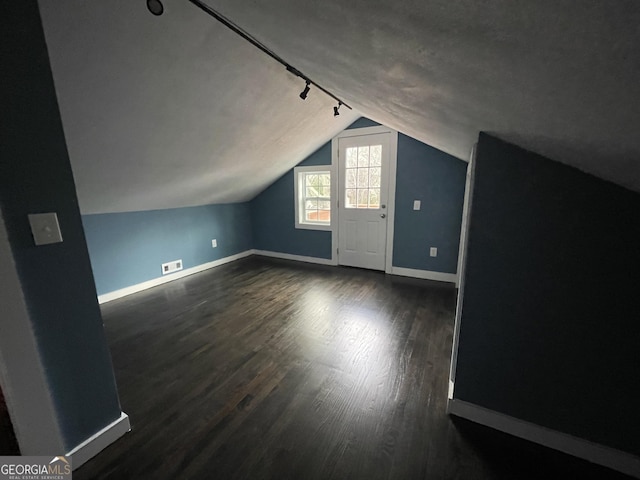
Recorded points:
313,226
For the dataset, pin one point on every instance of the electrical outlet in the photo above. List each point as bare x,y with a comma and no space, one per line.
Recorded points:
214,243
416,204
433,252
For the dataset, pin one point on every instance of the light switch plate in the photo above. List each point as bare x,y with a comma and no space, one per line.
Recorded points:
433,251
45,228
416,204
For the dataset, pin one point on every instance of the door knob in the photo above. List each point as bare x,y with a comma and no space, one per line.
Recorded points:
382,215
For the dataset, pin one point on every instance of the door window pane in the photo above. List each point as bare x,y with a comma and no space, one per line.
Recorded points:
363,198
376,155
374,177
363,172
363,156
351,177
352,157
350,198
374,198
363,177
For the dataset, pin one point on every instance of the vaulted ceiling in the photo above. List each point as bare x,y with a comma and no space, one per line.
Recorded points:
176,110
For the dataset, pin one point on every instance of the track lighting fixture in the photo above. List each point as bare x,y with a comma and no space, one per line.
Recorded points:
155,7
305,92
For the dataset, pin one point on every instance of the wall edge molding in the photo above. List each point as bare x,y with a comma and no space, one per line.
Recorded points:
139,287
425,274
578,447
99,441
298,258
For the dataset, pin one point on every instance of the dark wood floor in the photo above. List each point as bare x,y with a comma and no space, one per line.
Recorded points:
265,369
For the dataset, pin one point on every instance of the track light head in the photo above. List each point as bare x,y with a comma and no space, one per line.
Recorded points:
155,7
305,92
335,109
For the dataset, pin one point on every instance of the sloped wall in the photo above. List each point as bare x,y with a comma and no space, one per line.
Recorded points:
549,331
36,177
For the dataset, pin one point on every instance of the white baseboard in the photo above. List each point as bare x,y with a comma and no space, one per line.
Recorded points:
406,272
578,447
108,297
99,441
298,258
425,274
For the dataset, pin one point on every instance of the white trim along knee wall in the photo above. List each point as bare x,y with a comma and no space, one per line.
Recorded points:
608,457
404,272
578,447
139,287
24,384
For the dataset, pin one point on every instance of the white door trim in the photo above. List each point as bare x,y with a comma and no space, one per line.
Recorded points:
462,259
391,200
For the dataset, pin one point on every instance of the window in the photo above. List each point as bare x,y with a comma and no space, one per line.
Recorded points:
362,174
313,197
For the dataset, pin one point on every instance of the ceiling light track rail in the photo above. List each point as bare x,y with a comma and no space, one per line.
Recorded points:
260,46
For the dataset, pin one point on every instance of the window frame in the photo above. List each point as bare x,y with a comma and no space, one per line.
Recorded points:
299,175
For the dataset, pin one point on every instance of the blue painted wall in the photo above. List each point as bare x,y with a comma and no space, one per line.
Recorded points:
362,122
437,180
129,248
273,217
35,176
550,330
424,173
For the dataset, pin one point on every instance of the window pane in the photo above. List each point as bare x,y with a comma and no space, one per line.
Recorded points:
350,198
351,177
363,198
352,157
363,156
324,216
376,155
311,179
374,177
363,177
374,198
313,205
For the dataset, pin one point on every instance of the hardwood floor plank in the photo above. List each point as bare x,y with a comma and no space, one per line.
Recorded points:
267,369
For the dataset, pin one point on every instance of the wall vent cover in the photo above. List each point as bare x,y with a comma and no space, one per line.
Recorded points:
171,267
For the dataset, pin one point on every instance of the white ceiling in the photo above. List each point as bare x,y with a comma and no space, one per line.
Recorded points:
176,110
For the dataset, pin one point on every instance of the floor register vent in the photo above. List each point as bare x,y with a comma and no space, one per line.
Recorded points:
171,267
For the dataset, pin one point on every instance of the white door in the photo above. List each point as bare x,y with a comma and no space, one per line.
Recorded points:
363,176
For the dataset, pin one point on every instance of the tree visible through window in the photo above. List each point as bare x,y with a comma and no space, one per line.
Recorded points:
313,197
362,175
317,198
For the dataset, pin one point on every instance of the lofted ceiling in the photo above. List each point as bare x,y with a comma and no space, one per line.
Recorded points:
176,110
